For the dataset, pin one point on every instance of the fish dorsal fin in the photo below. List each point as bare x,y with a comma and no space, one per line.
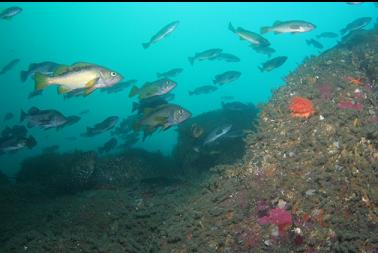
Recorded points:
277,23
81,65
33,110
61,69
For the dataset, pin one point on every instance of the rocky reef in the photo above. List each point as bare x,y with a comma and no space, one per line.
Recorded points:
190,154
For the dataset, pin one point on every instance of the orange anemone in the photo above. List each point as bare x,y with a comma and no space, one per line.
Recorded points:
301,107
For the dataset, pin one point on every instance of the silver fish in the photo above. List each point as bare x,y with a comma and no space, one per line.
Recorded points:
164,32
209,54
10,12
216,134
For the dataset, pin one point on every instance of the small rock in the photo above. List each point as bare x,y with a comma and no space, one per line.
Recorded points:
281,204
310,192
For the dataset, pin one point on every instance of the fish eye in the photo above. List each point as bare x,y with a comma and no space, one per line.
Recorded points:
113,73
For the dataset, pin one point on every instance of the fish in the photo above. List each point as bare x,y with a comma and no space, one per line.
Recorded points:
164,116
17,130
170,73
78,76
196,130
35,93
74,93
151,89
205,89
357,24
13,143
234,134
70,120
130,140
273,63
292,26
9,66
253,38
151,102
10,12
216,134
51,149
234,106
226,77
209,54
108,146
227,57
119,86
105,125
330,35
164,32
126,125
264,50
315,43
46,119
46,68
8,116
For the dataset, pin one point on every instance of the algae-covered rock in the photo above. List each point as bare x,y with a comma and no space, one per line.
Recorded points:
59,174
191,154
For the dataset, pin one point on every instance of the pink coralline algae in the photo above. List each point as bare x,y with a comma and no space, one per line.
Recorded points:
373,120
325,91
277,216
350,106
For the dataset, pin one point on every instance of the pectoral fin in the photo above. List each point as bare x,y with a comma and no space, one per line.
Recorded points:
89,91
63,90
91,83
161,120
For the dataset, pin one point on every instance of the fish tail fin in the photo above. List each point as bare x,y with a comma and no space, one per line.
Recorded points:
24,76
231,27
31,142
261,69
190,93
191,60
22,116
41,81
265,29
135,106
145,45
134,90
